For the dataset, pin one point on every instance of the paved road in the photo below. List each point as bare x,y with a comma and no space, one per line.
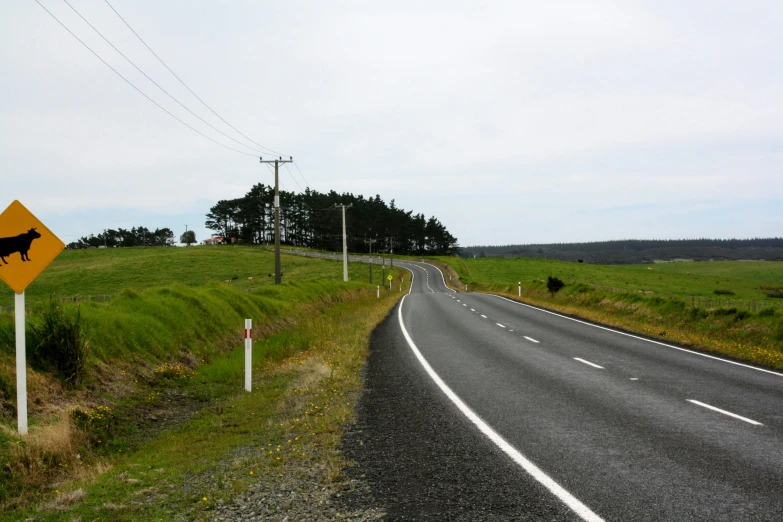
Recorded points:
596,424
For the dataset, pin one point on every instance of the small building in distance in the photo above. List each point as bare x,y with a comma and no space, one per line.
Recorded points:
215,240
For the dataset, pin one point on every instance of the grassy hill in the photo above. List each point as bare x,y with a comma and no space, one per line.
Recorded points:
165,352
108,271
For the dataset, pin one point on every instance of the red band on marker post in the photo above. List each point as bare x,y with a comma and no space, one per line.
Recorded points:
248,333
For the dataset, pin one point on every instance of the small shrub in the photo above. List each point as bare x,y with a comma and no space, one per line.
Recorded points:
56,344
767,312
724,311
554,285
173,372
742,314
723,292
97,422
777,294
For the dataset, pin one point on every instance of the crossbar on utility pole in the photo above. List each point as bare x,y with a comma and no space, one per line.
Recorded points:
277,212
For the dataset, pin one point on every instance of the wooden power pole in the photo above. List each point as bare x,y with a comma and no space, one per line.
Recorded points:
277,213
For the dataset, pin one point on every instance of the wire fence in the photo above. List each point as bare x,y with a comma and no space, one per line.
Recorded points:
698,301
98,298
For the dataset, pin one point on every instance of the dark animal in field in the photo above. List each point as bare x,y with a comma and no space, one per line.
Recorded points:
20,243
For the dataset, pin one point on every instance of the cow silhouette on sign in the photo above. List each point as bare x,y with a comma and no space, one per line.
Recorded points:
20,243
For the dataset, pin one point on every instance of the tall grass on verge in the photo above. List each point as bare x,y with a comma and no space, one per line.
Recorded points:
55,343
286,431
141,344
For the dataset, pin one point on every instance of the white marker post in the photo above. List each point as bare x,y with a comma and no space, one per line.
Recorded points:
378,291
21,365
248,353
519,288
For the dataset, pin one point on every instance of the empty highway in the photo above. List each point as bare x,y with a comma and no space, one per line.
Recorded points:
477,407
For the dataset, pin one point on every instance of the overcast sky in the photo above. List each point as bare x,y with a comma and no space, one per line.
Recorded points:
511,122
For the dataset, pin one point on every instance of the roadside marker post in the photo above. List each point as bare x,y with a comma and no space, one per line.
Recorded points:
248,353
519,289
378,291
20,233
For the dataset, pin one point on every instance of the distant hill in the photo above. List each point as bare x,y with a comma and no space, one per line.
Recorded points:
640,250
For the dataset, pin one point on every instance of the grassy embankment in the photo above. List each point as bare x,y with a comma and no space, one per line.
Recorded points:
656,302
163,379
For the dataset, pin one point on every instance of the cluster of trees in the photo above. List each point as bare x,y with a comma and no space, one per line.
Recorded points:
137,236
310,219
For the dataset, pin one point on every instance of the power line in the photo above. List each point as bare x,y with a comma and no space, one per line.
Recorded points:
185,85
137,89
303,177
292,177
156,83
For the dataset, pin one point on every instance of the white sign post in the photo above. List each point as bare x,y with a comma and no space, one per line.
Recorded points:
519,289
21,365
248,353
20,233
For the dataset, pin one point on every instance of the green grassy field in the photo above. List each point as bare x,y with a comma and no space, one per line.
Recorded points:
109,271
745,279
659,303
173,328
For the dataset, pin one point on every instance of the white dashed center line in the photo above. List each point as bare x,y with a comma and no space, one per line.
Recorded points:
472,310
500,325
482,315
463,304
634,378
713,408
530,339
588,363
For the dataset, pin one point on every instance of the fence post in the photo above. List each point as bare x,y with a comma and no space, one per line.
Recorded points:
248,353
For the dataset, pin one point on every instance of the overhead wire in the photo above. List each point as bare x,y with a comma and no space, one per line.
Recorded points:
292,177
300,173
156,83
136,88
186,86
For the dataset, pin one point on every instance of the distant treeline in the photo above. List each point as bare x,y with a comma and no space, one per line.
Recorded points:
309,219
640,250
137,236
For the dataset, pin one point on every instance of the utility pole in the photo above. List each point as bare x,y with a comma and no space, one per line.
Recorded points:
345,243
370,242
277,212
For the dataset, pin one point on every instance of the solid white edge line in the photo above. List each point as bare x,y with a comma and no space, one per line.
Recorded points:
530,339
637,337
567,498
588,363
441,275
749,421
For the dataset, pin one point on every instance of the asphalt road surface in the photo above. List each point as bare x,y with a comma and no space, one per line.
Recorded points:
481,408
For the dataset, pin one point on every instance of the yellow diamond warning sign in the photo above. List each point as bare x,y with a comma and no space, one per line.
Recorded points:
26,247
